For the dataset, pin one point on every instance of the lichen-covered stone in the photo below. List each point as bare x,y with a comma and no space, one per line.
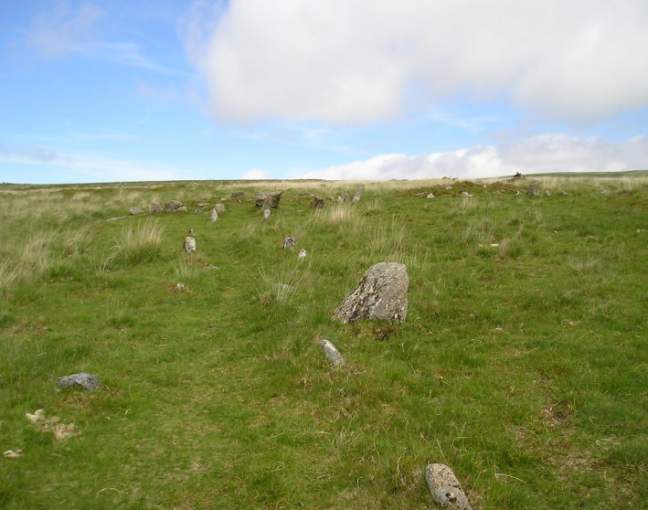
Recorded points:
189,244
318,203
289,242
213,215
268,200
445,488
380,295
82,380
174,206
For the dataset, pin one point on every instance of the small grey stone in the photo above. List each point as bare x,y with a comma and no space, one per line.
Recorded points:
380,295
466,194
332,354
189,244
534,189
134,211
289,242
214,215
266,214
445,488
302,254
182,209
430,195
155,208
220,208
82,380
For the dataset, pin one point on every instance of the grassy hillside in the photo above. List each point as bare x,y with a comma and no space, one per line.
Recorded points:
523,363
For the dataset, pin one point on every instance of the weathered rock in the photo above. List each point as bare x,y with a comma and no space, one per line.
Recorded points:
133,211
268,200
155,208
289,242
82,380
220,208
429,195
266,214
357,195
189,244
302,254
534,189
331,353
466,194
182,208
201,205
318,203
237,195
380,295
174,206
214,215
445,488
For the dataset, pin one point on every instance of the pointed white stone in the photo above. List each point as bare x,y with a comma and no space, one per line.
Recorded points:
332,354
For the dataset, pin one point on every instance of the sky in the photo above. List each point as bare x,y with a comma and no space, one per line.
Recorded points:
122,90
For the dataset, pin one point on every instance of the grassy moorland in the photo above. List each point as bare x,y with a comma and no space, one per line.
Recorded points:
523,363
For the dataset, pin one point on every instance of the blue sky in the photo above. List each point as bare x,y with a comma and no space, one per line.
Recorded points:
373,89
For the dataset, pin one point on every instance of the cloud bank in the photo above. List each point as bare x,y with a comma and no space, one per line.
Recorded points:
86,168
345,62
542,153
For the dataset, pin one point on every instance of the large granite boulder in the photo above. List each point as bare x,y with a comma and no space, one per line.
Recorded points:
380,295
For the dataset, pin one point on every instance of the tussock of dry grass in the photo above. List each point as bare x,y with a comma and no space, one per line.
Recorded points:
139,243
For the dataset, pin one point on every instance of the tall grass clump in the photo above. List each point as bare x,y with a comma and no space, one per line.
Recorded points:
138,244
387,240
336,214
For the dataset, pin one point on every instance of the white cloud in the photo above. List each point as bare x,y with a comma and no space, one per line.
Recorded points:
542,153
255,174
85,168
348,61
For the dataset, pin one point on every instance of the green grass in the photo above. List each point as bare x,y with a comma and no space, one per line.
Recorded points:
523,366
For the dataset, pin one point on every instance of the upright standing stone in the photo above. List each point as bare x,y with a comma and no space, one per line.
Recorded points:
445,488
214,215
317,203
220,208
266,214
289,242
332,354
380,295
190,242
